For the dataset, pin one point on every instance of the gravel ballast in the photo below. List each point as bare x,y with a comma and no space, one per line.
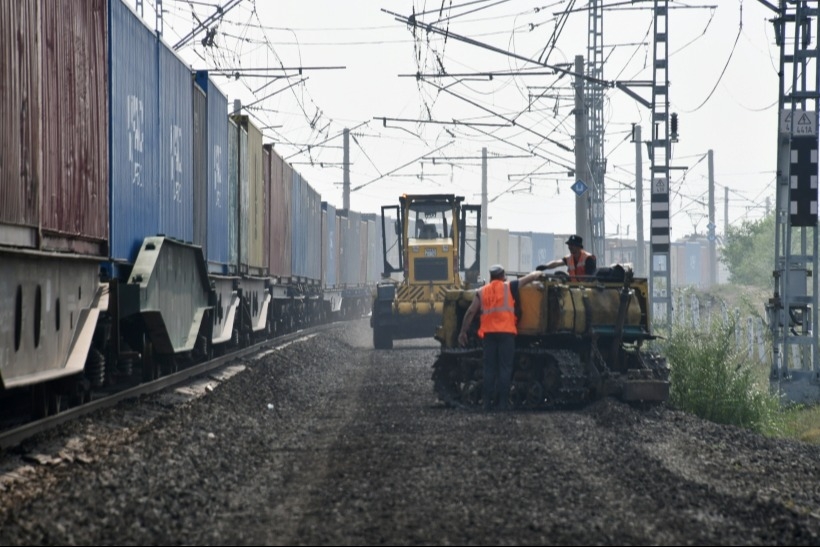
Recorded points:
329,442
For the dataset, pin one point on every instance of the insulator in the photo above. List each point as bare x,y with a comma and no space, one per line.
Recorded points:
674,126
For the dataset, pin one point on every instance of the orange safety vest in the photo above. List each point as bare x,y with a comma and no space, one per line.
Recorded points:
576,270
497,309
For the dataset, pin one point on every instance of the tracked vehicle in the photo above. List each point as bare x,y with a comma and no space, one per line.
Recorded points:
430,246
577,342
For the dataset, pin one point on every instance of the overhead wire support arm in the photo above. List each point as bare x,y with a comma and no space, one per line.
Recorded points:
308,147
490,74
399,168
442,122
489,157
274,93
298,69
512,122
451,35
220,12
624,86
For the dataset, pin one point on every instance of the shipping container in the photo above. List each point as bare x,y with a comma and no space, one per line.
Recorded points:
234,196
220,216
620,251
512,262
252,256
338,253
498,252
200,166
372,251
266,177
74,203
314,252
134,136
20,107
350,248
306,226
363,254
330,246
543,248
695,261
560,249
525,253
689,264
176,181
279,216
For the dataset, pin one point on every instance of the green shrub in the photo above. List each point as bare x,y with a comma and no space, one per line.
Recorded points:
713,378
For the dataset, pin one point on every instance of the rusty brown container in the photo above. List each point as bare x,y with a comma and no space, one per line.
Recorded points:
74,206
279,216
20,111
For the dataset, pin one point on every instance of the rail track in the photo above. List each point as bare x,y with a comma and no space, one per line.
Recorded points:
14,435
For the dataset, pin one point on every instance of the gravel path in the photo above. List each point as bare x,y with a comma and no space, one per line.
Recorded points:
328,441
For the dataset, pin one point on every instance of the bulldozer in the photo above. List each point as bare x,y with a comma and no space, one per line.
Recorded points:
577,342
430,245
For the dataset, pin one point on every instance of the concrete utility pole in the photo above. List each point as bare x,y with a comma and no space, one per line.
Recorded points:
581,155
712,225
640,254
346,170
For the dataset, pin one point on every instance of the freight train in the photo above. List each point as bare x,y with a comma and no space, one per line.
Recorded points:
143,226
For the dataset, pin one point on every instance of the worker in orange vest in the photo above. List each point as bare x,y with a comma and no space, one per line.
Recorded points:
496,303
580,264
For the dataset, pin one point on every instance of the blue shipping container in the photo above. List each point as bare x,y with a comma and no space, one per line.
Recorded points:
306,228
135,142
219,212
176,181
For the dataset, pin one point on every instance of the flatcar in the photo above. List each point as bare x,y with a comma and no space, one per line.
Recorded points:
144,223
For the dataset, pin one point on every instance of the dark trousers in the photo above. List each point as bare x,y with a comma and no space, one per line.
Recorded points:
499,349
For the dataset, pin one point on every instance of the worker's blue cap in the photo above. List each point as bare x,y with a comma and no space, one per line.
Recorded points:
496,270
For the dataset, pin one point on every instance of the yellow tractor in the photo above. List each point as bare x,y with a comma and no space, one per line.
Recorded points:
430,245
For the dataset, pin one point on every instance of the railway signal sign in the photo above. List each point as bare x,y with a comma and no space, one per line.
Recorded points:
579,188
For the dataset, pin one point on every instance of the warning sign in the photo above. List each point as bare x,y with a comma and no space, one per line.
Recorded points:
800,123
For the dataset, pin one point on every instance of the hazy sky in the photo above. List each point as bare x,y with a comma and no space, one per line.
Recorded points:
723,85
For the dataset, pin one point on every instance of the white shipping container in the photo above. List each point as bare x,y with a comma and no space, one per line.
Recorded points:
525,263
512,254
